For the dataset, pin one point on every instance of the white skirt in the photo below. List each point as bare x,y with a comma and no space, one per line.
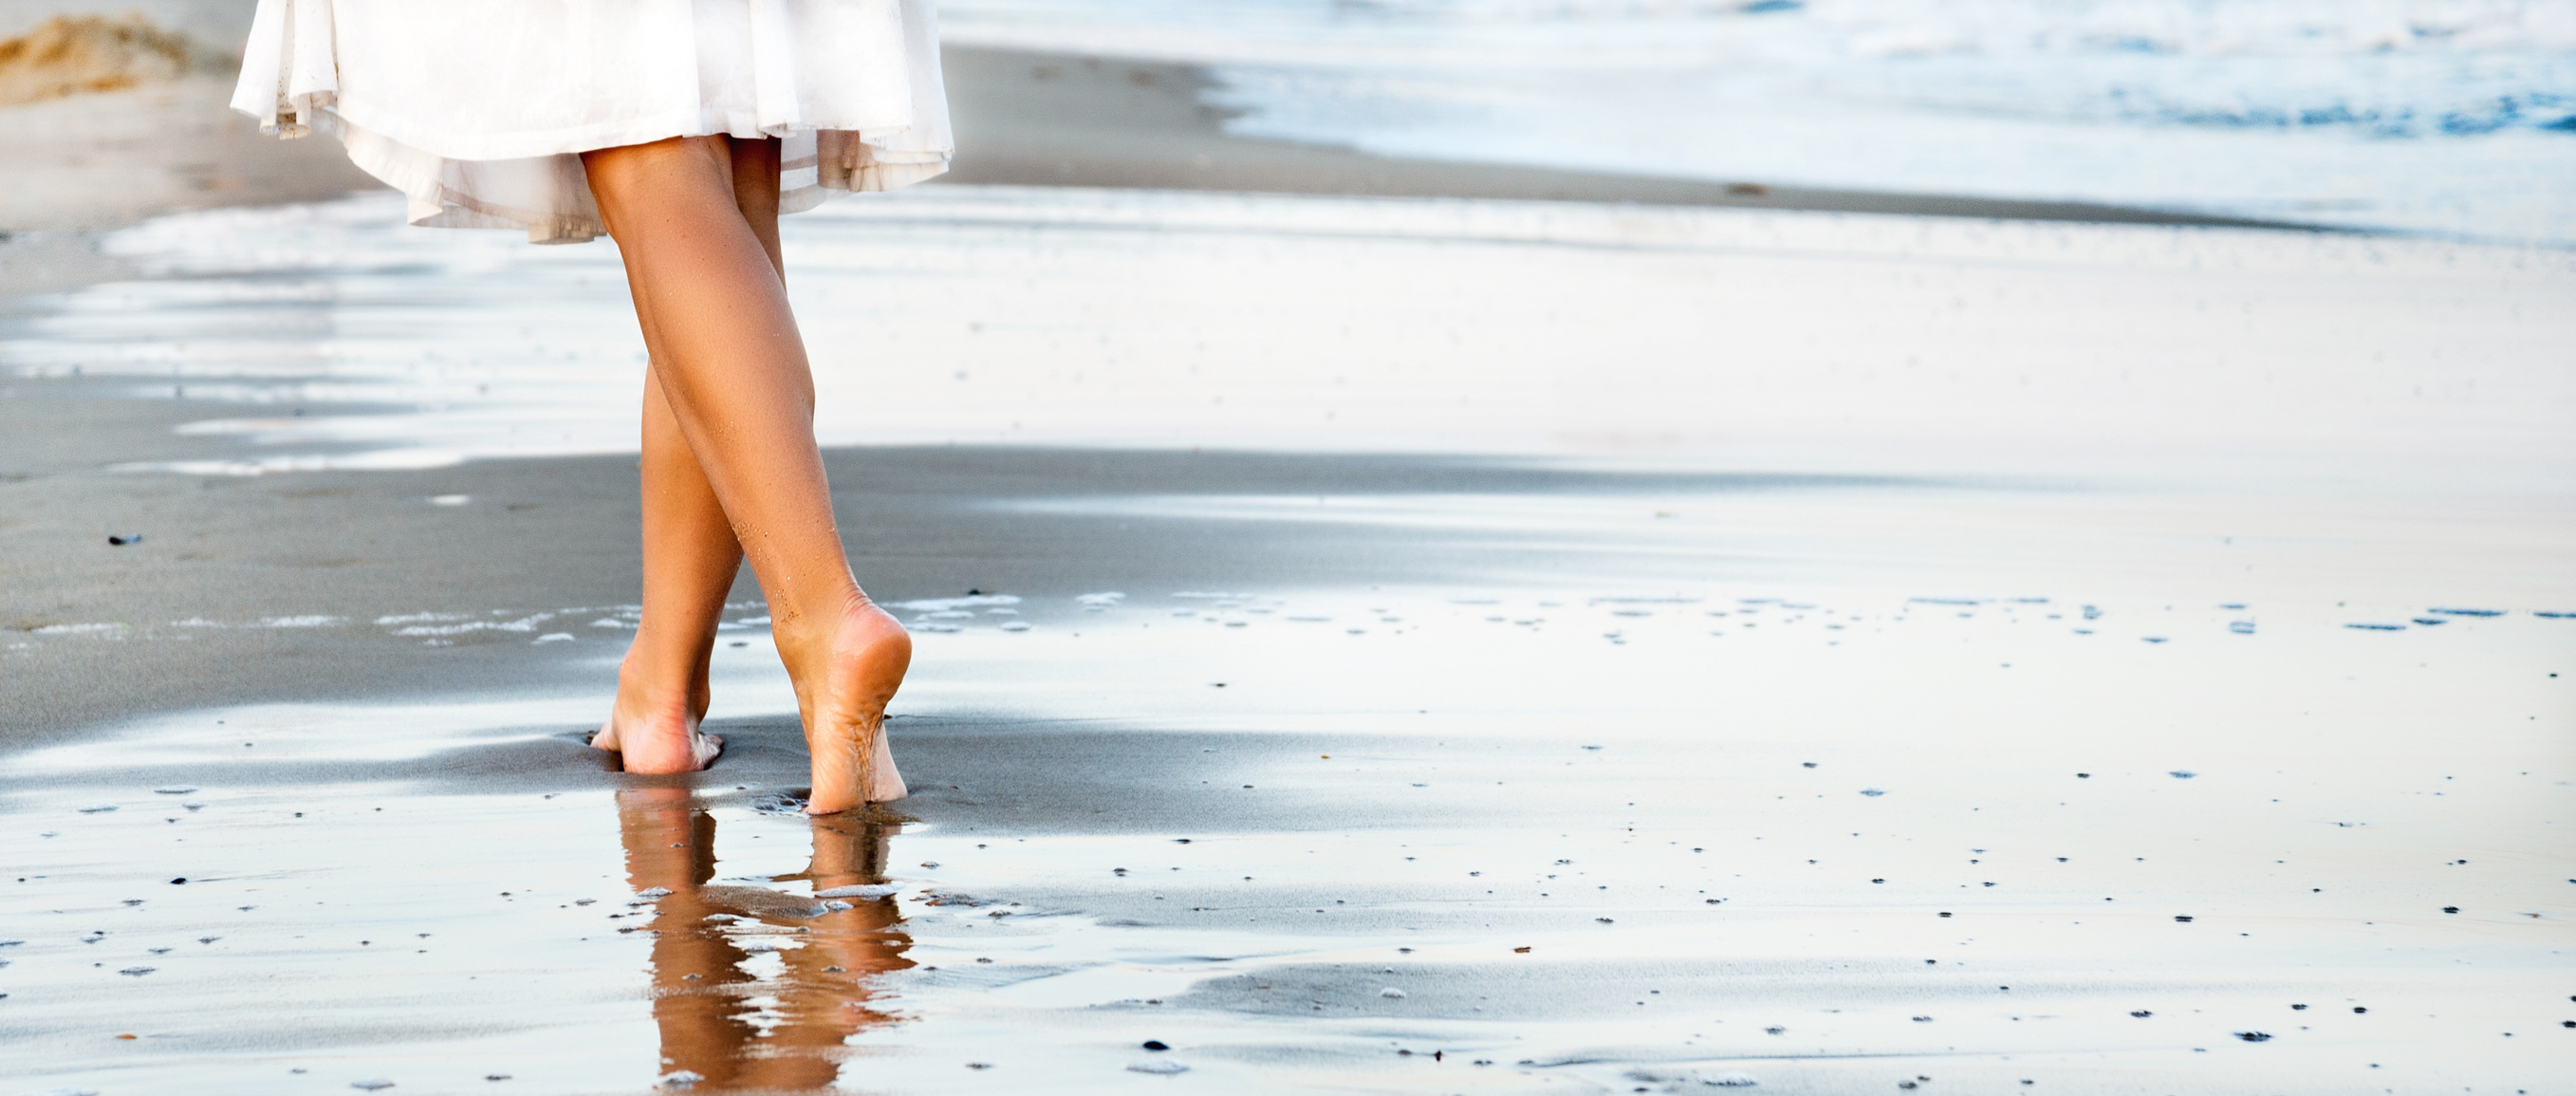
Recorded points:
476,109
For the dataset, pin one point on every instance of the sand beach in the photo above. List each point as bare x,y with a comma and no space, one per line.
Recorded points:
1385,624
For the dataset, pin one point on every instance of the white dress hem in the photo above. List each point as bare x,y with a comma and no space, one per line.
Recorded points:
850,86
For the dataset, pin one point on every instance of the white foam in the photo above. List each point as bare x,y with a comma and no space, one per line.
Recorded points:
523,624
951,604
76,629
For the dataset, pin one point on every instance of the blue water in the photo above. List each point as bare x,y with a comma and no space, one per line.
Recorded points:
2446,116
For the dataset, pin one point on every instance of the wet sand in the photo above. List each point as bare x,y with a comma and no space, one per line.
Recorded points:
1784,820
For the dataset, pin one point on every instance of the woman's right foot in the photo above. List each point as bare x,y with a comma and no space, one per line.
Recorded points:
844,681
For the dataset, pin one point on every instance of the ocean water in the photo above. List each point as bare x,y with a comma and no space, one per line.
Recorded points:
2453,117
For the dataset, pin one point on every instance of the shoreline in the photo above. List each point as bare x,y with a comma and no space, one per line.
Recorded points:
104,160
1055,120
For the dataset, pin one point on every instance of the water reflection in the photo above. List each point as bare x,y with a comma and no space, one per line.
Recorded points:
755,988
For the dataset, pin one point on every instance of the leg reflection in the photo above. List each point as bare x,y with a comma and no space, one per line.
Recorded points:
724,1014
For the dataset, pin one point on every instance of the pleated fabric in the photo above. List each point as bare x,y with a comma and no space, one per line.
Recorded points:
477,109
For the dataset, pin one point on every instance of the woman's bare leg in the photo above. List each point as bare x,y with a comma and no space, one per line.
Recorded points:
690,557
690,554
732,371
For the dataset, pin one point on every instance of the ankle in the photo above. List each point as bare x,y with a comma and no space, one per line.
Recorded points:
644,691
823,619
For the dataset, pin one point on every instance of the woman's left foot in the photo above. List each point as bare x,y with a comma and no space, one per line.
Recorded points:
659,749
655,738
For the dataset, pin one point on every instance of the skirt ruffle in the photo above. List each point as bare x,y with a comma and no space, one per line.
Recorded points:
477,109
